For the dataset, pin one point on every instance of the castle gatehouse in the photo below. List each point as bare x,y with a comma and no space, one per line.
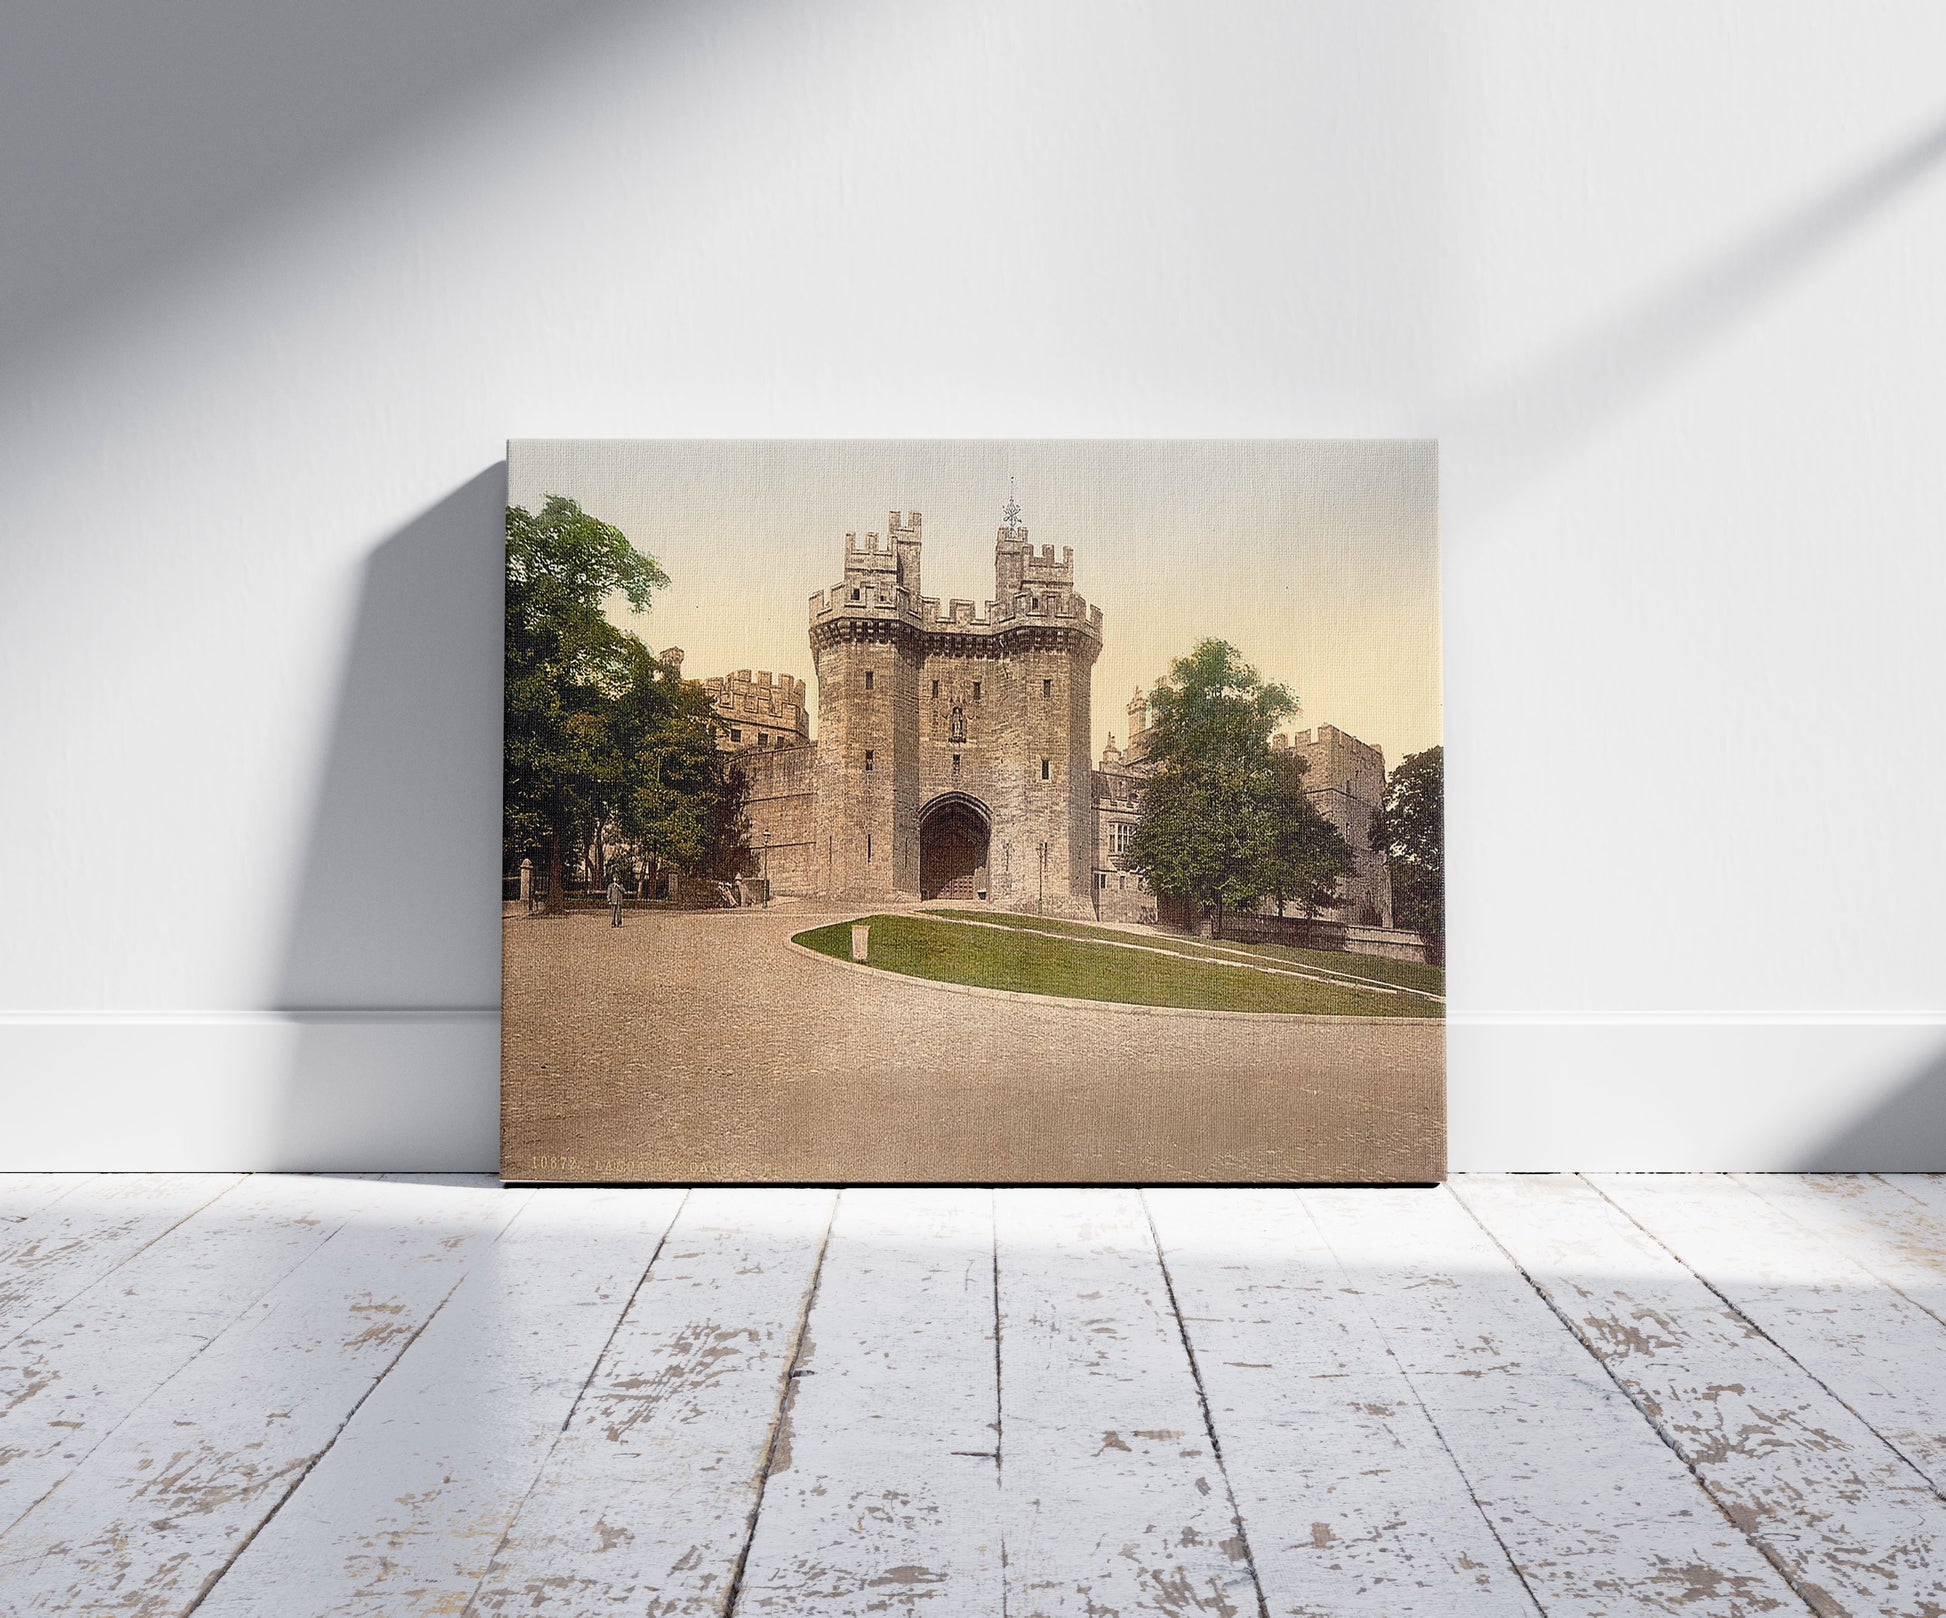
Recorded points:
953,755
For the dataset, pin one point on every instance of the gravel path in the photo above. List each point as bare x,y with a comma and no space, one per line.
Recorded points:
696,1045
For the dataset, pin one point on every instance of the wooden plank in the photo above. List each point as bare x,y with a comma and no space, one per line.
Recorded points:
62,1248
1841,1513
1351,1501
1113,1498
1599,1517
69,1380
1894,1224
883,1495
149,1520
1926,1189
646,1502
1872,1347
404,1512
22,1193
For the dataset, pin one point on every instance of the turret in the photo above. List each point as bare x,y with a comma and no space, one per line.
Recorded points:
1010,554
905,545
871,570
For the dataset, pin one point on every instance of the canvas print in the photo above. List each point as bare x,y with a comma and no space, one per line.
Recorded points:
974,811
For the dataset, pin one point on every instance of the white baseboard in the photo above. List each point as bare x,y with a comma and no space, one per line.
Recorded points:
419,1090
251,1090
1805,1093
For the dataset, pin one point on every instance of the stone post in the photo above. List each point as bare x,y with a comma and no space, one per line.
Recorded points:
860,941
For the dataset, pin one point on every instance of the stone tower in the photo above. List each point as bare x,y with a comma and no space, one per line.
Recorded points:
865,644
953,745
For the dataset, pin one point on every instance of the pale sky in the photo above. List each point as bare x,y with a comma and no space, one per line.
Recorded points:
1319,559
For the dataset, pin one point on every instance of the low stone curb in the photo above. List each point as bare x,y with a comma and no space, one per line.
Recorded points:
1309,1017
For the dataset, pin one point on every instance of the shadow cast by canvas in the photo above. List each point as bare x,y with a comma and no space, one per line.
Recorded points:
392,946
1905,1134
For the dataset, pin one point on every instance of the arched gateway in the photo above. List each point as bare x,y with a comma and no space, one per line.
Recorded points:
954,833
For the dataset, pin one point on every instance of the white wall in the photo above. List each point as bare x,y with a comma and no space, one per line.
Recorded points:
1664,278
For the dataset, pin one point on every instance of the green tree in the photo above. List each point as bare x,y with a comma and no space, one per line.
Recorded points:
1411,830
1224,823
681,801
1302,856
567,667
609,750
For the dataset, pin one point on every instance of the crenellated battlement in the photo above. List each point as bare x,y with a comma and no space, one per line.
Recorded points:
1043,569
958,614
871,598
871,556
1331,739
864,597
776,707
881,586
1336,760
758,694
1061,607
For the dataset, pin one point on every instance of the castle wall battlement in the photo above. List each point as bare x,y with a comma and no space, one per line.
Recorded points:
874,554
1329,738
1335,759
958,614
864,596
760,710
873,597
758,693
1043,569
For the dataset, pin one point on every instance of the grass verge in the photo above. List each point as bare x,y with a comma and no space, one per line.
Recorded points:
1380,968
933,946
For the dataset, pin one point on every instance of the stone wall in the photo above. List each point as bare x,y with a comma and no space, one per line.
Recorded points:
783,817
1304,932
1123,896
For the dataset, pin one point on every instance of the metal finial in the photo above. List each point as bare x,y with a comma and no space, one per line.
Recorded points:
1011,511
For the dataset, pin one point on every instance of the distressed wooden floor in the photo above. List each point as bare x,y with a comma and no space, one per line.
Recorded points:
1566,1395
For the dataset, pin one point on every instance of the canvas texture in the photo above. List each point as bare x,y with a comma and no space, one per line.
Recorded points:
981,812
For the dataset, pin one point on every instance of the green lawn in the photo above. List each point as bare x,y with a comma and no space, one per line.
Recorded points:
1408,974
928,946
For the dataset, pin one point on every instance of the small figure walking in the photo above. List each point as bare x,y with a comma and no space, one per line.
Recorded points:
616,894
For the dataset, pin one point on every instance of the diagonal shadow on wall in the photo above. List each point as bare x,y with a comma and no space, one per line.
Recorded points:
1515,431
391,965
1905,1134
136,140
